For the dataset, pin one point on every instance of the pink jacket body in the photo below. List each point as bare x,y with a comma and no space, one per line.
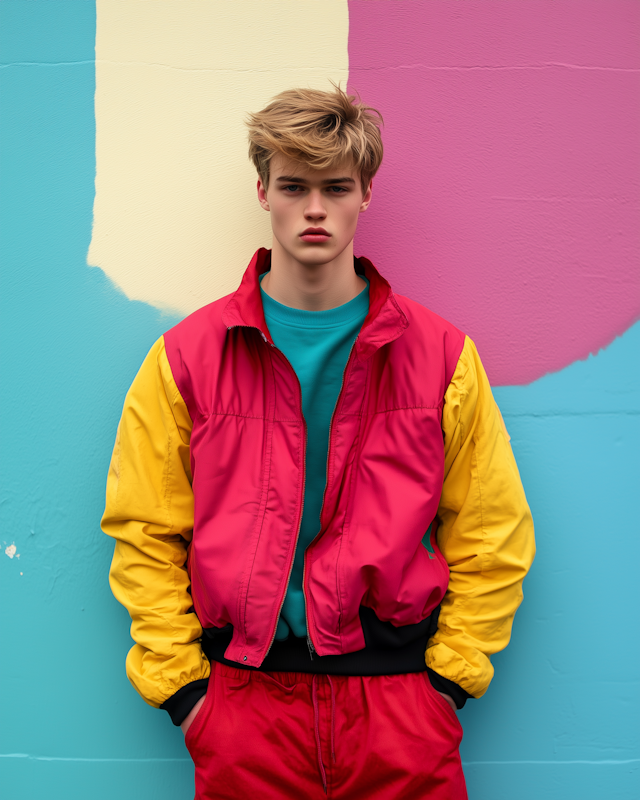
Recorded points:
384,471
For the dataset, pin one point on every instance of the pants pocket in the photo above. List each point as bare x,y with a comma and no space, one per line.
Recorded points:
195,729
439,701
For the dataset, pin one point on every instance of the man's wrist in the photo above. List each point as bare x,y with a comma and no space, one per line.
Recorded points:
445,686
179,705
188,720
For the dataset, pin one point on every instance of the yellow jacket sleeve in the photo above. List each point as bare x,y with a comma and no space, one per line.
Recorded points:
149,512
485,531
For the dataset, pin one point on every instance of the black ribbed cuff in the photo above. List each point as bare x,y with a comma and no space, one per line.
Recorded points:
441,684
180,704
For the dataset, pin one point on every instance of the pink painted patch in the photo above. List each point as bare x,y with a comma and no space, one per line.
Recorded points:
508,199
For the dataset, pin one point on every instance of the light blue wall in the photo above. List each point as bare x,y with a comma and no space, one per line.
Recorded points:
561,717
559,721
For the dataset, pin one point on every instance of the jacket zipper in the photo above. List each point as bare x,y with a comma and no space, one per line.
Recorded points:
304,483
310,643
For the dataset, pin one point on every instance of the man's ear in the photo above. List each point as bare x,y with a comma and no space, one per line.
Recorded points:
262,196
366,197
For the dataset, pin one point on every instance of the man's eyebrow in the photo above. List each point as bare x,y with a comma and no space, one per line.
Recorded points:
328,182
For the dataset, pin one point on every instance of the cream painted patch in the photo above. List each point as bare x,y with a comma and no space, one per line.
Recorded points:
176,218
11,551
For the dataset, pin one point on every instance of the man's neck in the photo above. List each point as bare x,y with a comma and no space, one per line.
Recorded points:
312,288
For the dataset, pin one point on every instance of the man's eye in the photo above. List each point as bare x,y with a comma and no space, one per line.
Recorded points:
291,189
338,189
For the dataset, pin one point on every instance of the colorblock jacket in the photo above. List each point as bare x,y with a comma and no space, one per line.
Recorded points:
423,506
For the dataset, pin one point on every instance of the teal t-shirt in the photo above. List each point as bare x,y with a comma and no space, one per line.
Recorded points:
317,345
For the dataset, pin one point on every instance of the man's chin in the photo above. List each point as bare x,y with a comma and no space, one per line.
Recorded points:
315,255
311,255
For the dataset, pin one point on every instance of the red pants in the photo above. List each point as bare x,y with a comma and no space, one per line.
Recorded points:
267,735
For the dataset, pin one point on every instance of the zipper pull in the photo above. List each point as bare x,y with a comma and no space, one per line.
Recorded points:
312,649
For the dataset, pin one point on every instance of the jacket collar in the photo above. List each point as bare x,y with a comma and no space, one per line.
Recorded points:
384,323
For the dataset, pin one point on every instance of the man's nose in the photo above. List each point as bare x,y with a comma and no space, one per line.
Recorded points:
315,207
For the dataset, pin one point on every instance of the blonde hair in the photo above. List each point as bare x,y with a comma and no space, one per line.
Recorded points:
319,129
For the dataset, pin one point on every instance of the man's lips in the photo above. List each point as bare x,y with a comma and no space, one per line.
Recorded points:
315,235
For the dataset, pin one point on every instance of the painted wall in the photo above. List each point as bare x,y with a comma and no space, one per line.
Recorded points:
524,119
519,223
175,215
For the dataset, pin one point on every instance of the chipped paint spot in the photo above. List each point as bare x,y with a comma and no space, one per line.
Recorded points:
11,551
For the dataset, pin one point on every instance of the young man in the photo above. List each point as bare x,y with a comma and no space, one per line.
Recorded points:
321,533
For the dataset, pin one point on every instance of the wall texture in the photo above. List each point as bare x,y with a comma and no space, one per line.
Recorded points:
508,202
175,215
524,119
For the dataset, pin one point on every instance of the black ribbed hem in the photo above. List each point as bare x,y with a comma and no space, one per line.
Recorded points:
440,684
388,650
292,655
180,704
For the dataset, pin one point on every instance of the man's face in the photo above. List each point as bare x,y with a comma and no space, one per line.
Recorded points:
314,213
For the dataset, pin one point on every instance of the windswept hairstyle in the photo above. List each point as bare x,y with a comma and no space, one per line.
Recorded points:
319,129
